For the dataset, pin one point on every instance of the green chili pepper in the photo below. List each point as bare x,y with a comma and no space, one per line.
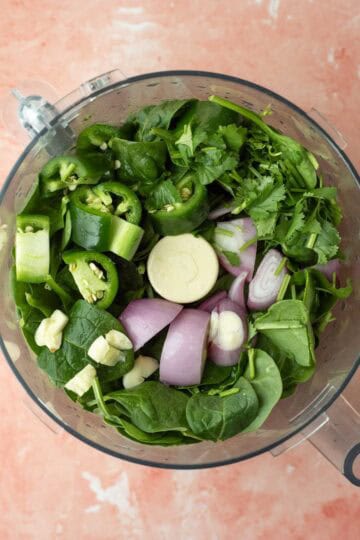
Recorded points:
93,226
95,276
96,137
69,172
182,217
32,247
121,199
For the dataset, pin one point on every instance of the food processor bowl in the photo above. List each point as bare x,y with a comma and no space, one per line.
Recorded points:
317,411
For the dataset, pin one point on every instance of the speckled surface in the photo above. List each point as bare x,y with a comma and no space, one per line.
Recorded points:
53,486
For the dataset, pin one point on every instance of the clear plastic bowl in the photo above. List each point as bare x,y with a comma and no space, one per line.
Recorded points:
108,99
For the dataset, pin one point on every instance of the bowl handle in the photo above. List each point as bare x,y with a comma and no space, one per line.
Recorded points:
335,433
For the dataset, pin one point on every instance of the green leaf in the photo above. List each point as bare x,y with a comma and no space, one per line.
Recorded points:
218,418
210,163
86,323
287,325
327,243
140,161
267,384
291,372
153,407
235,136
156,116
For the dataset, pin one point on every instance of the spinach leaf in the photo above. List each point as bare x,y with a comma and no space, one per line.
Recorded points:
267,384
33,303
218,418
214,374
291,372
206,117
153,407
159,439
117,416
287,325
156,116
140,161
86,323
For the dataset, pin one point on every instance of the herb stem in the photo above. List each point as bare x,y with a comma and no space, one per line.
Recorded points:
283,288
248,244
99,398
224,232
280,266
252,363
229,392
312,239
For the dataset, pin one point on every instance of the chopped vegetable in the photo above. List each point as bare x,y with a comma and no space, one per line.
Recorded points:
49,331
95,226
236,291
212,302
95,276
183,213
145,318
184,352
236,243
82,381
182,268
144,367
228,333
265,285
32,248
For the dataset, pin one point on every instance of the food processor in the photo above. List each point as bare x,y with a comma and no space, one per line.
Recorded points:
317,411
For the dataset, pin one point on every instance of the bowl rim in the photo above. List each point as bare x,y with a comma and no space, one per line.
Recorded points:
142,461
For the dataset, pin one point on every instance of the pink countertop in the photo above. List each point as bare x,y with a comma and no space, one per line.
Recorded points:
53,486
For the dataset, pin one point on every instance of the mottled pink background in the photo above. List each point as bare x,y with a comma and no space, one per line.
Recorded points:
53,486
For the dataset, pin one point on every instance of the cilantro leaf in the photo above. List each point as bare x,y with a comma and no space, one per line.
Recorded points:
327,242
210,163
235,136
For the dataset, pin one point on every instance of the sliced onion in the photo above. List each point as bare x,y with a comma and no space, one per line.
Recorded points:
228,333
184,352
239,232
144,318
210,303
329,268
221,211
265,285
236,291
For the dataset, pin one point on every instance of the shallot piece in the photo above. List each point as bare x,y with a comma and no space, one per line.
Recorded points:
184,352
238,238
266,283
146,317
228,333
236,291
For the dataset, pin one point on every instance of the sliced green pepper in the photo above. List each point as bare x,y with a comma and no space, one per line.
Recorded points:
95,276
69,172
183,217
96,138
93,226
121,200
32,247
